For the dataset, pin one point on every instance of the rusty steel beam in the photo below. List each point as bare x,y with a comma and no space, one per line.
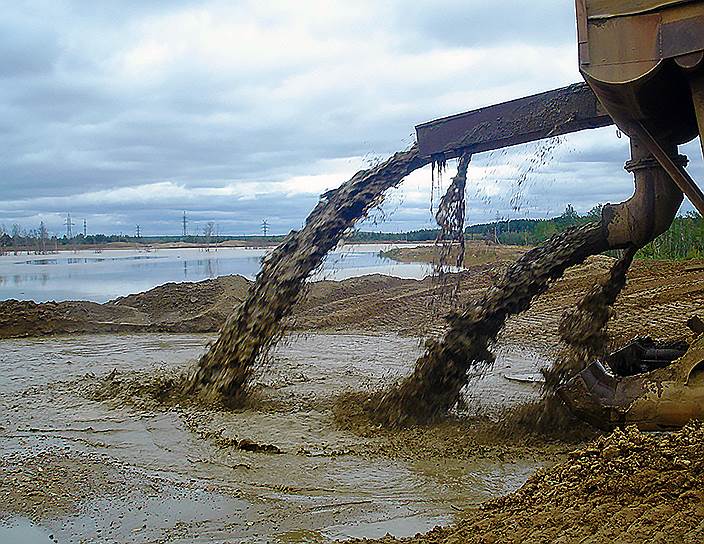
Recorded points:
543,115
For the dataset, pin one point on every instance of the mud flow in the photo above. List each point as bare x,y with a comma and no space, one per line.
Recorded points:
88,457
433,389
228,366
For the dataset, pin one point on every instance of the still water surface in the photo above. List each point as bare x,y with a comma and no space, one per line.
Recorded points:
99,277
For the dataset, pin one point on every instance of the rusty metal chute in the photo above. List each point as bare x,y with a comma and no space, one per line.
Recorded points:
643,63
553,113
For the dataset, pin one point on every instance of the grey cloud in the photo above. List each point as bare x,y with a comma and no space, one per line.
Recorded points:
71,124
463,23
25,54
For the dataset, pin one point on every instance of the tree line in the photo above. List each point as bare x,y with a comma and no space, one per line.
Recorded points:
684,239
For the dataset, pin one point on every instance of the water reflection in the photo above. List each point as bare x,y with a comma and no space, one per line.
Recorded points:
118,273
86,260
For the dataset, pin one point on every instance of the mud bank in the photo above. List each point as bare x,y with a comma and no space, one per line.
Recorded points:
625,487
658,299
476,253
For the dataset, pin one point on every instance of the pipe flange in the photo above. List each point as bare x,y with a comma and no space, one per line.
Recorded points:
651,162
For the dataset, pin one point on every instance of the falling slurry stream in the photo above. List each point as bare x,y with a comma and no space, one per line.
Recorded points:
583,330
226,369
442,372
451,217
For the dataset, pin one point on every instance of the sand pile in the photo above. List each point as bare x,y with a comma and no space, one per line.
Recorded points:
626,487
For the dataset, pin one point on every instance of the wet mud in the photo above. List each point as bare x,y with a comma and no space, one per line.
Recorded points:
174,470
277,470
584,338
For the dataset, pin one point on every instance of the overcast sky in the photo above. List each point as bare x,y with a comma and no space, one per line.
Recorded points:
129,112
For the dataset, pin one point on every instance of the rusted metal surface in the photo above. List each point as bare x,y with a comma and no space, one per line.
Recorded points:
651,209
682,37
552,113
607,9
665,396
676,171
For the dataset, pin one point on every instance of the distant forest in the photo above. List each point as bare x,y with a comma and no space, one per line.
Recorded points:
684,239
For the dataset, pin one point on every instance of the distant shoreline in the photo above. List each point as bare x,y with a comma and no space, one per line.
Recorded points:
126,246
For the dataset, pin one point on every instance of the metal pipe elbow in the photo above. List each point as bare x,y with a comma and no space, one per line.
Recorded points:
651,209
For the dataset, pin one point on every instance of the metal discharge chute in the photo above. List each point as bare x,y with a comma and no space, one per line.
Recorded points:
642,62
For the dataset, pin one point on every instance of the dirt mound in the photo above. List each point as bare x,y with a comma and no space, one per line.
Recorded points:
27,318
189,307
625,487
174,307
657,301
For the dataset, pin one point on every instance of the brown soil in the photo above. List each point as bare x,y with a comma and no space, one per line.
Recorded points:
174,307
625,487
657,300
477,252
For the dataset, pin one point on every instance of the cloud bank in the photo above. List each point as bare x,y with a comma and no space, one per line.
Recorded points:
129,113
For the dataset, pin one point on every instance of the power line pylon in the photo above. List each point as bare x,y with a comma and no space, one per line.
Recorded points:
69,226
265,227
185,224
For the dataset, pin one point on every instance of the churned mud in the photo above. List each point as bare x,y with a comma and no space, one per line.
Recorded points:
279,470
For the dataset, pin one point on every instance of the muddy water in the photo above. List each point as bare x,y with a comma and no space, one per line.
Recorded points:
84,470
